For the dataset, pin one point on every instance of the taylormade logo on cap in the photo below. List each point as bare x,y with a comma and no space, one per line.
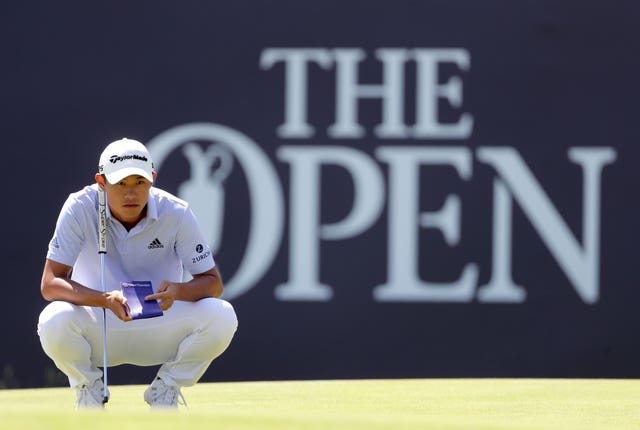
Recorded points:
125,157
116,158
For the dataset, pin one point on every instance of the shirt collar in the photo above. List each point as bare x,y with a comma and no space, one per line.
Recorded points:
152,207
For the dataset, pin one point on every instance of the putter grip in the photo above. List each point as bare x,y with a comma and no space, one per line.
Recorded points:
102,222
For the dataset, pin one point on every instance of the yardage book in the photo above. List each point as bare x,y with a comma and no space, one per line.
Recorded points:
135,292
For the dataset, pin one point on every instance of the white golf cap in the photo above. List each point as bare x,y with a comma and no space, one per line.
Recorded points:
125,157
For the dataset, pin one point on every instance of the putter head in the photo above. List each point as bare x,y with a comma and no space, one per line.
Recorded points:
105,394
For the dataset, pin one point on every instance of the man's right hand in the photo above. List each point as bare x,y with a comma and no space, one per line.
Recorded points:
117,303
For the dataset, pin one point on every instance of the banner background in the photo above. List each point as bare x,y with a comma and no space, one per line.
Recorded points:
543,78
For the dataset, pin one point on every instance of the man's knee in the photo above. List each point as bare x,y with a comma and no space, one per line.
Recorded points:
219,321
57,323
221,313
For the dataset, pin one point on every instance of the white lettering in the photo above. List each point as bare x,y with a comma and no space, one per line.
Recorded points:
580,264
404,283
296,61
501,287
348,91
306,230
430,91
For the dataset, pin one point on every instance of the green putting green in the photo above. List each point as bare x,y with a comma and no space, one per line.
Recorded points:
565,404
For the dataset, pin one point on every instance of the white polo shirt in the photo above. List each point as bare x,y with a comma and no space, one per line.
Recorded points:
157,248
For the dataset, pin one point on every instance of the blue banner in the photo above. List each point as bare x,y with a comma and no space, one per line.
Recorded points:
391,189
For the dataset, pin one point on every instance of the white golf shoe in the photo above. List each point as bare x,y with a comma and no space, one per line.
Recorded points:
90,396
161,395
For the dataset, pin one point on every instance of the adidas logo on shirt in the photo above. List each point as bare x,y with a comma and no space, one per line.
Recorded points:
155,244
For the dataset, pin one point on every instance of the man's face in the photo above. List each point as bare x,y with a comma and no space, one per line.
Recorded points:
128,199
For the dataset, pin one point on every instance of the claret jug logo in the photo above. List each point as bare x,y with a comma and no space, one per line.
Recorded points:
385,177
206,194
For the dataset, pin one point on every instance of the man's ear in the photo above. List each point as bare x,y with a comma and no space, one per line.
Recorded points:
155,174
100,180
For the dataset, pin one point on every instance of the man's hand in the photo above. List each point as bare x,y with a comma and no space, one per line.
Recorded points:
117,303
166,294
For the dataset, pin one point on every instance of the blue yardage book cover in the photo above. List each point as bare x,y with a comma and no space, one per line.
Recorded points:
135,292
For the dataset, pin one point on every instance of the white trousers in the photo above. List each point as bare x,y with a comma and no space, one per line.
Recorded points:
185,340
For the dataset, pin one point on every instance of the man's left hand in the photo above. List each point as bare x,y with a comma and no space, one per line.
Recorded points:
165,295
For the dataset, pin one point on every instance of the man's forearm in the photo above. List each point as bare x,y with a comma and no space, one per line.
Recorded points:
71,291
200,287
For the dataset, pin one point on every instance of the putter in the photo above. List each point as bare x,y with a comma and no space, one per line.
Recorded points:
102,250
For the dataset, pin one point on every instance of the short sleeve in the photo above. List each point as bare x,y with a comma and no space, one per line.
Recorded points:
191,246
68,237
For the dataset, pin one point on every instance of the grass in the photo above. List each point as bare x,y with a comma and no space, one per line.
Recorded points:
361,404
